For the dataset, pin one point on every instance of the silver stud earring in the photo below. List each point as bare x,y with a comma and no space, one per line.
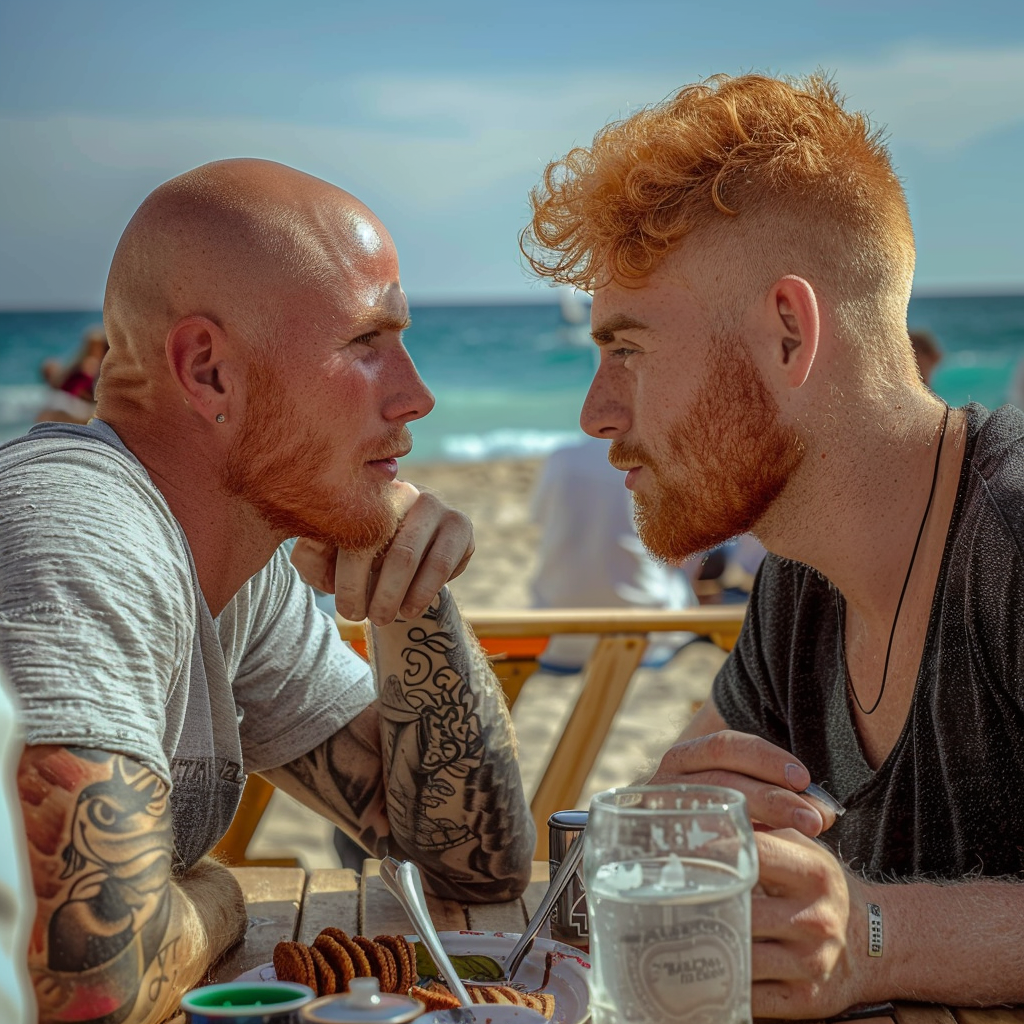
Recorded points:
220,417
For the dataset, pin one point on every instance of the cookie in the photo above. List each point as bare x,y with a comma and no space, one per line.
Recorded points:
358,957
326,979
382,962
337,959
292,962
405,960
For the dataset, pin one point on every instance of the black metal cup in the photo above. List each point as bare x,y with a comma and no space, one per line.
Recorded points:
569,921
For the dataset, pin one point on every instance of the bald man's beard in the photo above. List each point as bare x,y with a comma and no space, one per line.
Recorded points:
278,466
721,465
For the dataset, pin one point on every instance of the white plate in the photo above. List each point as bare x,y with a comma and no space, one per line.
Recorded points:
567,980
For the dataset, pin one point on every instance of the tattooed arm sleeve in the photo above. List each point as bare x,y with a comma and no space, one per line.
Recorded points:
431,772
115,941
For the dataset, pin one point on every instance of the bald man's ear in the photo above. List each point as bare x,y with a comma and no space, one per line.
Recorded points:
794,328
198,353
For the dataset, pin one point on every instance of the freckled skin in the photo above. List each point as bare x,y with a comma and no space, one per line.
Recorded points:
686,409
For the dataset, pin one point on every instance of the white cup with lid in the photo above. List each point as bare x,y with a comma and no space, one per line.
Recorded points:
364,1003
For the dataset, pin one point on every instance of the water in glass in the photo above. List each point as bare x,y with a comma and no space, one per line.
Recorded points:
669,899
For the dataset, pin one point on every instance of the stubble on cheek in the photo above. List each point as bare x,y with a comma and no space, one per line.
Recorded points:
721,466
282,468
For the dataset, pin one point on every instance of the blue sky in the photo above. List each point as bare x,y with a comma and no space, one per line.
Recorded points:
441,116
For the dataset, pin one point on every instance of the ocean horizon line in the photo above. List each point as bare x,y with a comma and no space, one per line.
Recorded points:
498,301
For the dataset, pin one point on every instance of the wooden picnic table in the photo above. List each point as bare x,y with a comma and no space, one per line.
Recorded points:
288,903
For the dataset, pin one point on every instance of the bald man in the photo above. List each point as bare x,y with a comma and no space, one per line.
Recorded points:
163,647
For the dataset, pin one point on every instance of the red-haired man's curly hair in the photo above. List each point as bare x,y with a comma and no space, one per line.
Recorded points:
773,174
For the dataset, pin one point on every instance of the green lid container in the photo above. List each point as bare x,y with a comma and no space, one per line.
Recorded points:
246,1002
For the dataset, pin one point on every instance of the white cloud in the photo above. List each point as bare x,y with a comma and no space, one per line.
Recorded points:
565,103
938,98
935,97
454,154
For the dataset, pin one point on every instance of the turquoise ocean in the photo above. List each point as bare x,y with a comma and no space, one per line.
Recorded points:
510,379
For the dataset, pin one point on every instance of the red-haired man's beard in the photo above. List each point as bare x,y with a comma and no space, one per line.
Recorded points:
278,465
720,466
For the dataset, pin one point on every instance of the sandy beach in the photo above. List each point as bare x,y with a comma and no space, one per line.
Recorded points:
496,495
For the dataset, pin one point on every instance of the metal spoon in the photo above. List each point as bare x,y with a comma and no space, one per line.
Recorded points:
391,874
402,879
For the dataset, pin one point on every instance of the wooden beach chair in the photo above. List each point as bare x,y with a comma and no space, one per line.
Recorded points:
514,640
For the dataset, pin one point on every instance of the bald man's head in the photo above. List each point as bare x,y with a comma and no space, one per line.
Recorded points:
234,241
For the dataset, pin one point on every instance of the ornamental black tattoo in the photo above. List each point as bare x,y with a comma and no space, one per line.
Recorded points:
438,778
431,735
341,779
454,796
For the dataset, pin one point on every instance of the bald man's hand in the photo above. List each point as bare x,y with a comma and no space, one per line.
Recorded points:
432,545
429,770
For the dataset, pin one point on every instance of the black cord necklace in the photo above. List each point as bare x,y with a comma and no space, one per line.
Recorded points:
906,579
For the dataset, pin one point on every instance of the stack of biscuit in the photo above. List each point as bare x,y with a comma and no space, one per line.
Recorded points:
335,959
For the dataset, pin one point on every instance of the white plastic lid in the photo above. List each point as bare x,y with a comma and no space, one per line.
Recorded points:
364,1003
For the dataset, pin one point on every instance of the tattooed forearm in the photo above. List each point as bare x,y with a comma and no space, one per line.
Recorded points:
341,779
105,946
430,771
455,800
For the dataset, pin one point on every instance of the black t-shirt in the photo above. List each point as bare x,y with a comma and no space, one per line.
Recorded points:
948,801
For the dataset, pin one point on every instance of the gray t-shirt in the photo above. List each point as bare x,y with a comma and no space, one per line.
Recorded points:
106,636
949,799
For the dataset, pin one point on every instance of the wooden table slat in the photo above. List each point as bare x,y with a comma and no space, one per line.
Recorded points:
273,897
331,901
381,914
496,917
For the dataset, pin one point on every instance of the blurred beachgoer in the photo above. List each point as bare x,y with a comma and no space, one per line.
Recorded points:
591,557
927,352
750,254
162,646
74,384
17,906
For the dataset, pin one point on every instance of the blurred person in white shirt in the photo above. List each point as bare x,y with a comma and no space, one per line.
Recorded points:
591,557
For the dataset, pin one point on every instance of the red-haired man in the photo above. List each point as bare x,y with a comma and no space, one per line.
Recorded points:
750,254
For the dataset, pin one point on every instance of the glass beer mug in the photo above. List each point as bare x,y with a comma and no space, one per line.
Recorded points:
668,873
